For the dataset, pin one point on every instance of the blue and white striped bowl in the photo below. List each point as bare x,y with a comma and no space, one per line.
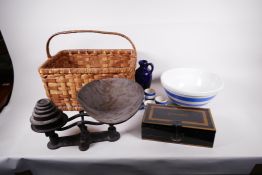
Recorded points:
191,87
188,101
150,94
161,100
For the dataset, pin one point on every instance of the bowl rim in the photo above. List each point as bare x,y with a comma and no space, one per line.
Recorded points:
192,94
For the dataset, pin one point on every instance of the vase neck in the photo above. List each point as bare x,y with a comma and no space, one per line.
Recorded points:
143,63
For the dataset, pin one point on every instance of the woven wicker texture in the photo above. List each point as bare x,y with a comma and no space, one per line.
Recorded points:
66,72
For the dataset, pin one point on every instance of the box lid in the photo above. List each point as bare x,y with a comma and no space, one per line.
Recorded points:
198,118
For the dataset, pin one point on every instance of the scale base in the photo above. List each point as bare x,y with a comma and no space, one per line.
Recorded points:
83,139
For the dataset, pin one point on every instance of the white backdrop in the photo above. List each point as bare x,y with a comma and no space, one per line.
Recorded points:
224,37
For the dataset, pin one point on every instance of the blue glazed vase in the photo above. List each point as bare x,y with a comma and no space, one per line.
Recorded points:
144,74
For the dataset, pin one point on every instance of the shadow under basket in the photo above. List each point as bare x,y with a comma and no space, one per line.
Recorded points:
68,71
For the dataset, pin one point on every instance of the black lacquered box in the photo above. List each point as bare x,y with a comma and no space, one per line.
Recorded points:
192,126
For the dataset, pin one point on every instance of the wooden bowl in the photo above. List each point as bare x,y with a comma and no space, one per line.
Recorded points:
112,100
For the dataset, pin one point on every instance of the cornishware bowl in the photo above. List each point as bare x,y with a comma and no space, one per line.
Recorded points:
112,100
191,87
150,94
161,100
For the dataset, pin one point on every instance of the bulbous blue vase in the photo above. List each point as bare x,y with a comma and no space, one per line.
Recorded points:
144,73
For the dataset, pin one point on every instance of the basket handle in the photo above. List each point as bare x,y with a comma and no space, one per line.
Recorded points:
86,31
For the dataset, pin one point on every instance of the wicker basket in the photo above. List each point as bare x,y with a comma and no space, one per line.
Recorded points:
66,72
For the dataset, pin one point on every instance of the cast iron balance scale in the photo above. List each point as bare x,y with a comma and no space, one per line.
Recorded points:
109,101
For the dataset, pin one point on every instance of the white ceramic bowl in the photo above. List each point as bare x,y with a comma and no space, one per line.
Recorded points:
191,87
